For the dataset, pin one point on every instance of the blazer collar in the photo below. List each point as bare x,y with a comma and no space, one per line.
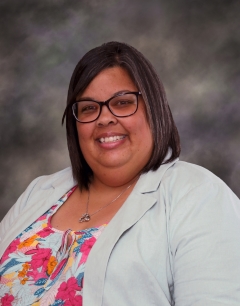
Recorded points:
150,181
62,179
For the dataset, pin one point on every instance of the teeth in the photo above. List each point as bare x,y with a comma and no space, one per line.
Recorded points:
111,138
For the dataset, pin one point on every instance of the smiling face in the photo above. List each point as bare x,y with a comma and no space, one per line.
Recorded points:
113,146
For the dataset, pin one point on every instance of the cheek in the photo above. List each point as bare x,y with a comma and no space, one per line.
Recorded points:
84,135
146,133
84,131
143,127
142,134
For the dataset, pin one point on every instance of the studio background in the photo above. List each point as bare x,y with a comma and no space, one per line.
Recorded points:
193,44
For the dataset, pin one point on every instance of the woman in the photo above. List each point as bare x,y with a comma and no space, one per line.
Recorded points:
167,232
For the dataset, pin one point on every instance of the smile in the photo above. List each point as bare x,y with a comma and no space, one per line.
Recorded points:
111,138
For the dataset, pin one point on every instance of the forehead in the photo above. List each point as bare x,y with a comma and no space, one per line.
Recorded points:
107,83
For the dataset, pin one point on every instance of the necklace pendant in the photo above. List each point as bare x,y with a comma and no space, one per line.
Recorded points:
85,218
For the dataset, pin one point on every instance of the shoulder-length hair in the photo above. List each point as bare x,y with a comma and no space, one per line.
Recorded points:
164,131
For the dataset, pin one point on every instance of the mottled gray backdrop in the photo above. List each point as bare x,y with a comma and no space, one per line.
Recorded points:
194,45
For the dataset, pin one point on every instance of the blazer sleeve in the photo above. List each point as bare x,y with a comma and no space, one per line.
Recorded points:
205,246
15,210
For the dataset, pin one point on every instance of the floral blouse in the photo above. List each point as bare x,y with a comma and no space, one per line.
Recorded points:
45,266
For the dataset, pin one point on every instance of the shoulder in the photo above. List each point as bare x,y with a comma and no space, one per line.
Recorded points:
183,177
178,177
195,196
61,179
57,178
47,180
188,171
184,187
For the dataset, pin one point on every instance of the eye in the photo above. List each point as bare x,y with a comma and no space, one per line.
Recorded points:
88,108
122,102
85,107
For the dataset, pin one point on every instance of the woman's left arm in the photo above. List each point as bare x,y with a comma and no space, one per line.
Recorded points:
205,246
13,214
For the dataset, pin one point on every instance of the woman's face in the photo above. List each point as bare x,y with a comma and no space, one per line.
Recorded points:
130,151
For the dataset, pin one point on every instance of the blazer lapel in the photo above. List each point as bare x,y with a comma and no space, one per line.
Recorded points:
138,203
133,209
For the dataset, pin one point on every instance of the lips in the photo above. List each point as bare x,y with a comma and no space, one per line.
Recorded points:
111,138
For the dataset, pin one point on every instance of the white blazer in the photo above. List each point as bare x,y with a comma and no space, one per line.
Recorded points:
175,241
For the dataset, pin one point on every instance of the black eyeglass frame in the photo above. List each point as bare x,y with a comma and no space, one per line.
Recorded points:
102,103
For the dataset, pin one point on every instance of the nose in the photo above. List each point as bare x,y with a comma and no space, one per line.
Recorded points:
106,117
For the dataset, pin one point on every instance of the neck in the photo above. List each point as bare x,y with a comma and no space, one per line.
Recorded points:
108,184
114,178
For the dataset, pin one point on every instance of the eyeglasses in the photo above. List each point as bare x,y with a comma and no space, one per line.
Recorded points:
121,105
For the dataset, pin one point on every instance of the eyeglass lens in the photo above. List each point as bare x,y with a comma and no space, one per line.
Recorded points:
120,106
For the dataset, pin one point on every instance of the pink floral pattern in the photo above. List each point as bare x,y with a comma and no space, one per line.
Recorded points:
7,300
40,268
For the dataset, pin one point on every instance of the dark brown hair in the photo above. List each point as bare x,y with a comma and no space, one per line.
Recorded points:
141,71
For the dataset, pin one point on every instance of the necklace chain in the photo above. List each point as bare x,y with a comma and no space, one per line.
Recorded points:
87,217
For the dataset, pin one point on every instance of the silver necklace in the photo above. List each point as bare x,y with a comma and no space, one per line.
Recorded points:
87,217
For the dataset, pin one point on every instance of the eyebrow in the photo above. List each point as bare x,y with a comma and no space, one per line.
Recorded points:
114,95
